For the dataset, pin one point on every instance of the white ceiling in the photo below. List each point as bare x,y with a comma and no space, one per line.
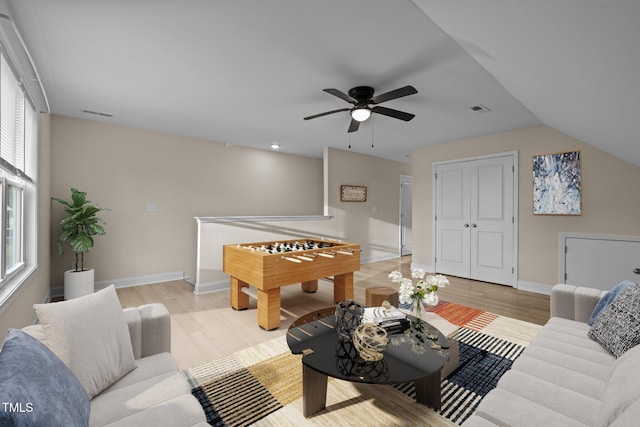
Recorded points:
246,72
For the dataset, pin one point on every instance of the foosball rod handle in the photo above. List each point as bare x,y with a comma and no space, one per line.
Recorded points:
326,254
345,252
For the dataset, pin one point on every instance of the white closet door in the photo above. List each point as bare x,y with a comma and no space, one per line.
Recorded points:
475,219
452,219
492,220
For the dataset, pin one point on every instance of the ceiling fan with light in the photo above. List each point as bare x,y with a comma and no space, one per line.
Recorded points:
362,98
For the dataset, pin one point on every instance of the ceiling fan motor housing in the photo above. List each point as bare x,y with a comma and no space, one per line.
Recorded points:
361,93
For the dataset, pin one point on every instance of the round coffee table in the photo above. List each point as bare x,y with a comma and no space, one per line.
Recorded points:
408,358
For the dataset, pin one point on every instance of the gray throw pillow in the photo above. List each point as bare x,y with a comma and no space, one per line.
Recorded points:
36,387
607,299
617,329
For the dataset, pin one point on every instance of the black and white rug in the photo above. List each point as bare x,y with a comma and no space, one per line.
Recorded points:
483,360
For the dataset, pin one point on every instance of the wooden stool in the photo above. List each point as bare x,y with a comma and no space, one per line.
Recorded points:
375,295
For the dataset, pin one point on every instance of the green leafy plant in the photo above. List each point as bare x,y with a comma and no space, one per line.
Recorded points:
79,225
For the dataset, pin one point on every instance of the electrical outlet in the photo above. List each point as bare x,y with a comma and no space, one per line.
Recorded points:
152,207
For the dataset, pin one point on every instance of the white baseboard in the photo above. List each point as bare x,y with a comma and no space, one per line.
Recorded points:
130,281
538,288
368,260
141,280
205,288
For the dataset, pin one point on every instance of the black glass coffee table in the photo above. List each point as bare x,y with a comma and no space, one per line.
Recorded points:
408,358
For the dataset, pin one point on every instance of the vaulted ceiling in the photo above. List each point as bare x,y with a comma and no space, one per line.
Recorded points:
246,72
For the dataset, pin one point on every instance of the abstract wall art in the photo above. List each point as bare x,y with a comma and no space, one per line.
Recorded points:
557,186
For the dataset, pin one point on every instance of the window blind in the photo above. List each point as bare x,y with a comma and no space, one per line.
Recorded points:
12,119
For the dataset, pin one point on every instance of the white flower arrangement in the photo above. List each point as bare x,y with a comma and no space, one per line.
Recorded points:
424,290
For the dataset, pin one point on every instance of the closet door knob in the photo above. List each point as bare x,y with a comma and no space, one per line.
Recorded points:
636,270
473,225
466,226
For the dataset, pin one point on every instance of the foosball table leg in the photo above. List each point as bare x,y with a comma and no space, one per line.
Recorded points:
269,308
239,300
310,286
343,287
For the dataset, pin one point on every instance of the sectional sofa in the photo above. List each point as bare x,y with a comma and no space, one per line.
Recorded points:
574,373
117,368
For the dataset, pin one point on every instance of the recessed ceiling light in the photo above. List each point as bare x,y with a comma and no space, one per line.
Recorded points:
275,146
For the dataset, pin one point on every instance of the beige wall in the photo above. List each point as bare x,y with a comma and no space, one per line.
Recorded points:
36,290
375,224
125,169
609,199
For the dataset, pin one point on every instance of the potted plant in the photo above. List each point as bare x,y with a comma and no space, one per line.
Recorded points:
78,227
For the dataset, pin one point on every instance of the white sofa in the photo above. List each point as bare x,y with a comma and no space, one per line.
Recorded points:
154,393
564,378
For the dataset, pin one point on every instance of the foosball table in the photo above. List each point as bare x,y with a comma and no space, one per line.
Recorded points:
270,265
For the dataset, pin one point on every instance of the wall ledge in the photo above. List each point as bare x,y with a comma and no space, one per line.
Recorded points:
208,219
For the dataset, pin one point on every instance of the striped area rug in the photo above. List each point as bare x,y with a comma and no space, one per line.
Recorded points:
483,360
236,395
262,385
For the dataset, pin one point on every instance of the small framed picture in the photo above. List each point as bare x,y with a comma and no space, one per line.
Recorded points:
353,193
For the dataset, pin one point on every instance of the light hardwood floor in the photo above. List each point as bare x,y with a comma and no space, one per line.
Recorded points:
205,327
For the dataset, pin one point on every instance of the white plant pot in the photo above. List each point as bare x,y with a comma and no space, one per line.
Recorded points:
78,283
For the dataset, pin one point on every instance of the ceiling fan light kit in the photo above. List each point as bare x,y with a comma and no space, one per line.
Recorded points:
360,113
361,97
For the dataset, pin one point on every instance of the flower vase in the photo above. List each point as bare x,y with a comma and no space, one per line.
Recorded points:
417,307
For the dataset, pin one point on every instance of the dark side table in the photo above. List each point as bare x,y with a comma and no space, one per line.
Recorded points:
325,354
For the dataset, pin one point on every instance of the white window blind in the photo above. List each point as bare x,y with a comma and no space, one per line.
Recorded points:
30,139
11,119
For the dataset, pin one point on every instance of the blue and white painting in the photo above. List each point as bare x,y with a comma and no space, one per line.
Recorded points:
556,184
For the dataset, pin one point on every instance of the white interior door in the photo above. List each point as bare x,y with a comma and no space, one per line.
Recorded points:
475,220
492,220
453,219
406,215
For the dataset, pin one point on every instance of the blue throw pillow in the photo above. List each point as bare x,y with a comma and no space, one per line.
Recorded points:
36,387
607,299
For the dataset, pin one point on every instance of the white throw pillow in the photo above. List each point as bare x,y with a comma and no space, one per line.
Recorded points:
90,335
